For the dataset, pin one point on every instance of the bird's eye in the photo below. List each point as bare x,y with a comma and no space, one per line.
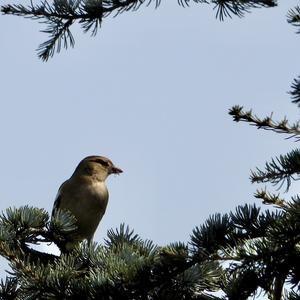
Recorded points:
102,162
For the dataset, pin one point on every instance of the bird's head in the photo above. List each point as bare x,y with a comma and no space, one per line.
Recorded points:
99,167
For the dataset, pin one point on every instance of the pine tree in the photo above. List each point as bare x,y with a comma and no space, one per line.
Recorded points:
242,253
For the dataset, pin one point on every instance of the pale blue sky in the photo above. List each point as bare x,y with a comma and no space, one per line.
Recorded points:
151,91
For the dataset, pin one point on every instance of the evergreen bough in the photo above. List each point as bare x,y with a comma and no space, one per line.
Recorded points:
60,15
239,253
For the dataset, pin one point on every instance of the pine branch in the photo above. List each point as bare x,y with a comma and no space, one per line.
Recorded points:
292,295
271,199
295,92
171,269
293,17
9,289
218,237
238,7
25,226
278,287
59,15
242,283
207,238
257,245
283,169
59,32
266,123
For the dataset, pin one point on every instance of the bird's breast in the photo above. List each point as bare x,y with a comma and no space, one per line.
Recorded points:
96,195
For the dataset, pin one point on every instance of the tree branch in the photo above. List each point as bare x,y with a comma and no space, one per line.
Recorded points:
266,123
61,14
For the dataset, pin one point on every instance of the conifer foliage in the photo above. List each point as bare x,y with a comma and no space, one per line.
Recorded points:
60,15
238,253
246,252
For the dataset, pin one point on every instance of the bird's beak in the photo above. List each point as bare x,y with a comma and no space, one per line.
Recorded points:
115,170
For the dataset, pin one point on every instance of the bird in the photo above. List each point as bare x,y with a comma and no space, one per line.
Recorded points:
85,196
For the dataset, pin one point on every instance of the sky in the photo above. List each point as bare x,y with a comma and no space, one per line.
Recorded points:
152,92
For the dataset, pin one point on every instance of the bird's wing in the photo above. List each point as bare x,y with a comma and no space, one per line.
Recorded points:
56,205
57,201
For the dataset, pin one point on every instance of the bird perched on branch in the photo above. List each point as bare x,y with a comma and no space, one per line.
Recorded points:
85,196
